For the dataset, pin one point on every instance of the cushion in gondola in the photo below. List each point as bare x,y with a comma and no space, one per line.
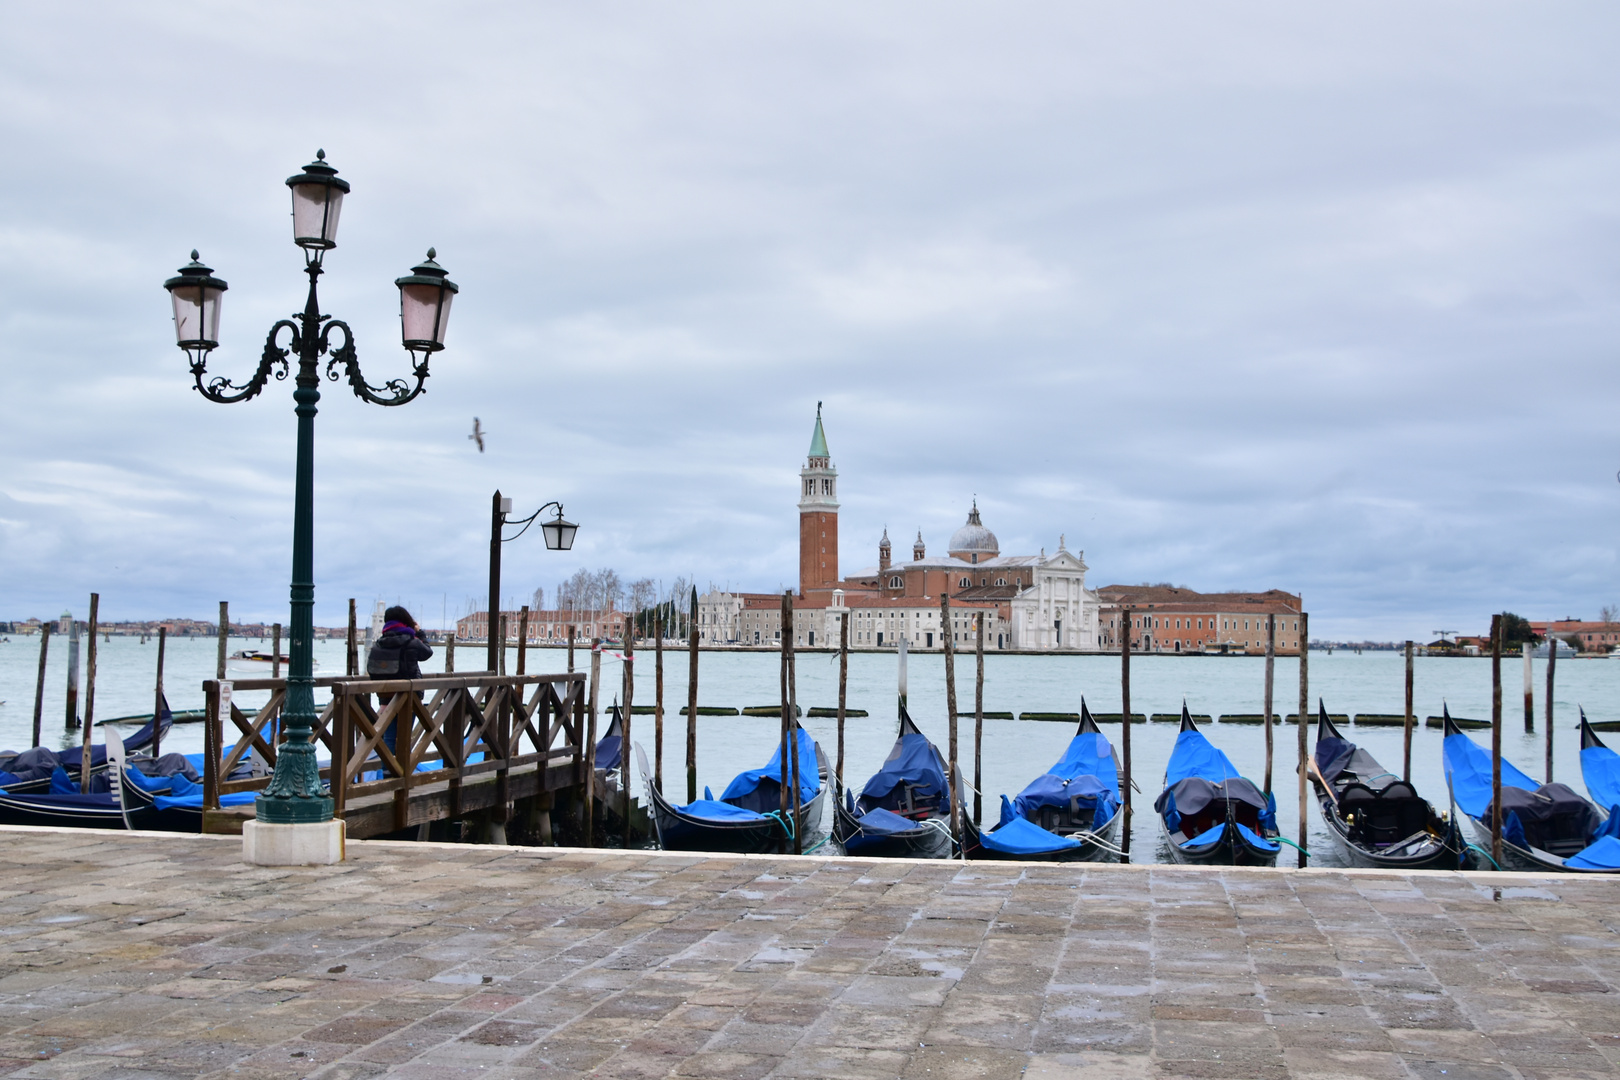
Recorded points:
880,820
1020,837
1255,839
714,810
1207,837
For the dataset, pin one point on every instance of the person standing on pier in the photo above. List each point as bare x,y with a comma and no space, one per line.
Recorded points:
397,654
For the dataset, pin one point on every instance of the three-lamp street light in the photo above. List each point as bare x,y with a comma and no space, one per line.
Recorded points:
295,795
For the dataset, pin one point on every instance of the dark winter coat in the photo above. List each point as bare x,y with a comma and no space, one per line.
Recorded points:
397,653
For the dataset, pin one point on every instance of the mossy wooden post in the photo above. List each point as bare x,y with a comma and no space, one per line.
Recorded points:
1411,720
793,742
39,688
523,641
1299,728
351,652
629,696
590,745
1271,663
157,697
978,720
1552,664
572,630
691,701
946,638
658,701
785,652
843,699
224,631
1529,694
450,654
1496,739
275,650
90,697
1125,721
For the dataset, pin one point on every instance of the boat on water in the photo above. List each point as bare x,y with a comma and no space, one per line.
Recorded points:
1377,819
904,811
1070,813
1600,768
747,818
259,656
1209,812
1544,826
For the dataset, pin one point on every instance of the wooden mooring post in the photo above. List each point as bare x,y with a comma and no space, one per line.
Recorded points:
782,674
691,701
351,648
590,744
1125,722
157,698
523,639
275,650
1496,740
1411,720
978,720
1271,663
629,698
843,700
947,639
1552,665
658,701
73,674
90,697
1304,711
39,688
1529,694
224,638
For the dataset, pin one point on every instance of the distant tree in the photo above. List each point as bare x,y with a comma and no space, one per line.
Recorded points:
643,594
538,603
1516,632
1608,613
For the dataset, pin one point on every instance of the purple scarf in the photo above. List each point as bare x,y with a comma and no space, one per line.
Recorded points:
398,628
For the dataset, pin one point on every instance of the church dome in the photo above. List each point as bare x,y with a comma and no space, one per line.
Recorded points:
974,539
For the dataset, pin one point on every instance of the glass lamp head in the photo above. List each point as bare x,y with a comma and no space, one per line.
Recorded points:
424,305
559,533
196,295
317,201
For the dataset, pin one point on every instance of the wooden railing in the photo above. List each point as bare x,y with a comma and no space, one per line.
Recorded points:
461,727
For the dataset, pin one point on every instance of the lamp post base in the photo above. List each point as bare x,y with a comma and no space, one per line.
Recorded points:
313,844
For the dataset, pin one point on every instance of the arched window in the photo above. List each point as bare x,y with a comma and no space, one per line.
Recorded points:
1001,581
965,583
894,582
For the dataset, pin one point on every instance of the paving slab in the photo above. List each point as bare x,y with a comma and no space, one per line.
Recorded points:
147,955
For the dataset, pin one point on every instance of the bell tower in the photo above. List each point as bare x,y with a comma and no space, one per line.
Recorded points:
818,516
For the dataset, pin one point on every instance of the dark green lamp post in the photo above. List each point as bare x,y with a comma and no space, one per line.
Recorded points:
295,795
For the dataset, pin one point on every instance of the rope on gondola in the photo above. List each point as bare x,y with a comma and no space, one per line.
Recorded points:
1295,846
1482,851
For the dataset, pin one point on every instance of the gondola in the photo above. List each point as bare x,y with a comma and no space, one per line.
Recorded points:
1209,812
29,772
1600,768
1071,813
904,811
747,818
1544,826
1376,818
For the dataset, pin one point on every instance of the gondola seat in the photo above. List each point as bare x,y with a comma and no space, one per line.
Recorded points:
1383,817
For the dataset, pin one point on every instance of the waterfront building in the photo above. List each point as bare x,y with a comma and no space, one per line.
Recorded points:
546,627
1594,637
1028,602
1166,619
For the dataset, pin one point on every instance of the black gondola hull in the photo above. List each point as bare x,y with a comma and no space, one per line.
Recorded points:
923,842
1442,853
1231,850
683,832
1515,857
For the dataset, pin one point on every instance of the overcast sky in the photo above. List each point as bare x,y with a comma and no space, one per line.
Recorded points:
1236,296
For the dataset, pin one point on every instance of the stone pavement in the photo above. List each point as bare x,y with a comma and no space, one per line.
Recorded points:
156,956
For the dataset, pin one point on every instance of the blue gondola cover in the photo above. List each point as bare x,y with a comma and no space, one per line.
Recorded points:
1086,771
1016,836
879,820
714,810
1600,767
1468,769
1602,855
913,759
809,772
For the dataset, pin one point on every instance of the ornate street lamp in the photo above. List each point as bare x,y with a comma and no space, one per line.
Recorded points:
295,795
559,536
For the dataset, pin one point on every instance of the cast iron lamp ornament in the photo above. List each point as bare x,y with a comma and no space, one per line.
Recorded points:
295,795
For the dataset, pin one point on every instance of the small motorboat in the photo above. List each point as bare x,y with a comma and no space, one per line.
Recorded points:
258,656
747,818
1376,818
1544,826
1209,812
1071,813
904,811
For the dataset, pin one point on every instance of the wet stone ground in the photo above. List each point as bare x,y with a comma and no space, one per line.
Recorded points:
140,956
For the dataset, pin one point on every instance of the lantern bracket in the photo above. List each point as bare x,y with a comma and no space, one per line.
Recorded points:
344,356
224,391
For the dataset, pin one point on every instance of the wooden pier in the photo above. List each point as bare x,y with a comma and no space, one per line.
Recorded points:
407,753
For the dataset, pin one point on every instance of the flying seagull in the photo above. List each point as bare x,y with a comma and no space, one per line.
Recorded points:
477,435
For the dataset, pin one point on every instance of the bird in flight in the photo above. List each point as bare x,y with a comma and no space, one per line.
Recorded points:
477,435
